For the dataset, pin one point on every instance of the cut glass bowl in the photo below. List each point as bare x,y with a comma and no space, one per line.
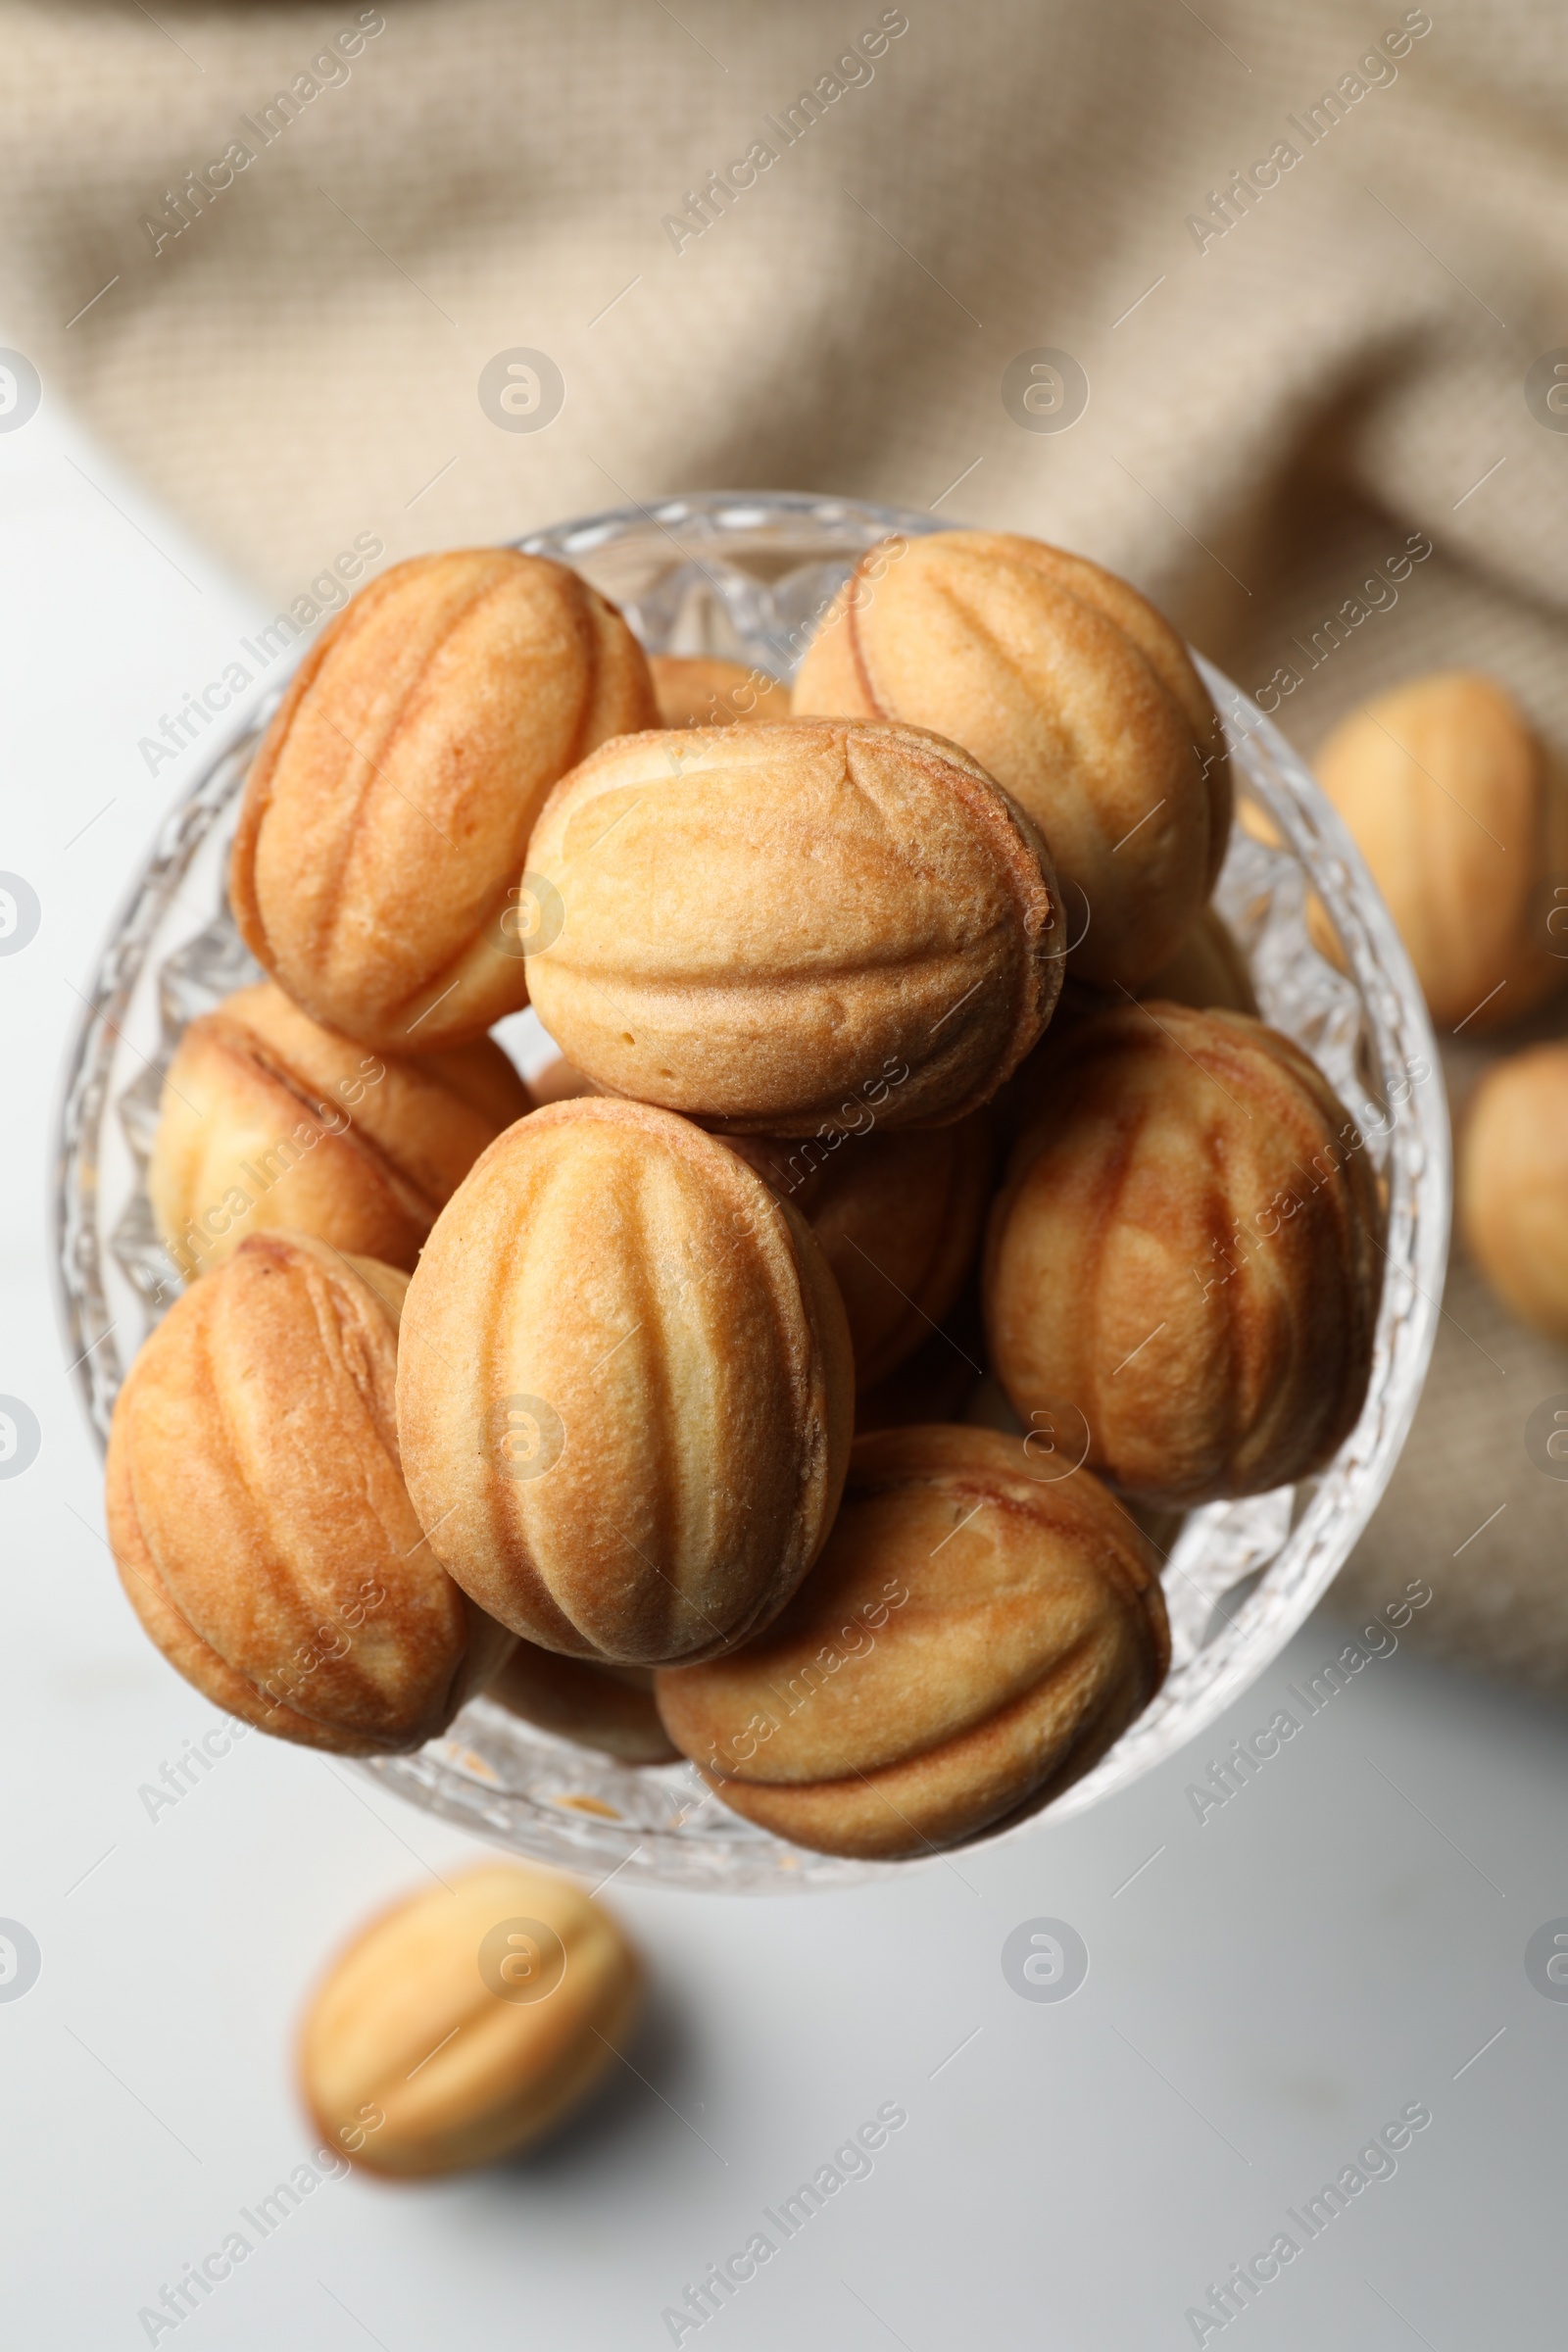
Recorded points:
748,576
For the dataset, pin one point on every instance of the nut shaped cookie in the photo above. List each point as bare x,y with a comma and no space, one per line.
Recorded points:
975,1636
1208,971
1513,1184
696,690
625,1387
609,1708
257,1515
1186,1252
466,2022
780,928
267,1119
898,1215
559,1082
1464,823
1072,691
376,859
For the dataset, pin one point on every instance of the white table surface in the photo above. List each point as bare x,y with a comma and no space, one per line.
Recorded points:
1277,1983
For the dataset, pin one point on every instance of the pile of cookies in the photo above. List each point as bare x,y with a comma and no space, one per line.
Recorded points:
797,1378
1462,812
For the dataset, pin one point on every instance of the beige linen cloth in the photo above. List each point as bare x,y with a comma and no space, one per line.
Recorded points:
1289,372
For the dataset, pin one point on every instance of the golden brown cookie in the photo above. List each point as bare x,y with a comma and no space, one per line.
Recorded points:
974,1637
898,1214
466,2022
267,1119
559,1082
1513,1184
624,1388
1208,971
1186,1253
257,1515
777,929
606,1708
1071,690
378,862
1464,823
695,690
